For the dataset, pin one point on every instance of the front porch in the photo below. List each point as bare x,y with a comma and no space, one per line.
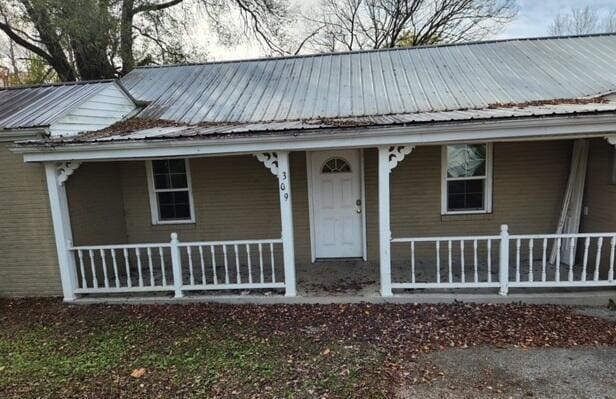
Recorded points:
115,248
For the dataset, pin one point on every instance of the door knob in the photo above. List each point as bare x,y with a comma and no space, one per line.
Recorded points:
358,210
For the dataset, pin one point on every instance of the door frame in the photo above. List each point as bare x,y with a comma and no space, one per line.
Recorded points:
362,192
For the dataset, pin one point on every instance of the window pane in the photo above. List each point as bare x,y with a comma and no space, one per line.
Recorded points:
177,166
465,195
178,180
174,205
161,181
160,167
466,160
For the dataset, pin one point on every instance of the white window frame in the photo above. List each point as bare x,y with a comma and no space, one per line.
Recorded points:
487,200
154,210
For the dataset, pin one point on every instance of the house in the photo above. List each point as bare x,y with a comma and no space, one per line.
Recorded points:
486,166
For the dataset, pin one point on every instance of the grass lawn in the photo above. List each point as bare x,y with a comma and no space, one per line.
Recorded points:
49,349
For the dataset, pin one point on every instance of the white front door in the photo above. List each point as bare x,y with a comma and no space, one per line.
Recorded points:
337,204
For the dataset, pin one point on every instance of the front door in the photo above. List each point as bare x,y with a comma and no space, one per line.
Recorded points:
337,204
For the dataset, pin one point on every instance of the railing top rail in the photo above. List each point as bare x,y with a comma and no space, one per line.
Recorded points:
564,235
119,246
229,242
445,238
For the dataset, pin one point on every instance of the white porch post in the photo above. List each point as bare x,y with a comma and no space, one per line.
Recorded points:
278,163
389,157
286,218
56,176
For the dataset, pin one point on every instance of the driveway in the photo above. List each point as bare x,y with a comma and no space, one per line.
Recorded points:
588,372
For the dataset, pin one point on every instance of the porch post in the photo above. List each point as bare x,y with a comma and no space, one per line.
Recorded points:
384,222
286,218
62,228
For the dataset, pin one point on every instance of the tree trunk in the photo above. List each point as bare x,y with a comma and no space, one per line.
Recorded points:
126,37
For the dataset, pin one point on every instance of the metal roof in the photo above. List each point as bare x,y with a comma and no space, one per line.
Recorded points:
40,106
205,131
380,82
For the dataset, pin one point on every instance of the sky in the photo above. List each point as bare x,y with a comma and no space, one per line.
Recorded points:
533,19
535,16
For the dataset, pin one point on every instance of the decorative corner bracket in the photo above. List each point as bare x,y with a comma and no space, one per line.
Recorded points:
611,139
65,169
270,160
397,153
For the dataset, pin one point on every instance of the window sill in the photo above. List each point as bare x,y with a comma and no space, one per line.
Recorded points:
461,217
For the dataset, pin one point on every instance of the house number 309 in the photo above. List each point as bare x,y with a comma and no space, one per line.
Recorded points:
283,186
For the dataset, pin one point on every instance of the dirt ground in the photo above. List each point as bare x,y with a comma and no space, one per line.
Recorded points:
520,373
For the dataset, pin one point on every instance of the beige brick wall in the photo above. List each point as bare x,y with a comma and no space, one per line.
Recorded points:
600,195
529,182
96,205
28,258
236,197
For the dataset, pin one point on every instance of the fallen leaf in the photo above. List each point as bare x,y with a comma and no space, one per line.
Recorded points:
138,373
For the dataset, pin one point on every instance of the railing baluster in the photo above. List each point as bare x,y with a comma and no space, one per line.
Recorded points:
203,280
237,264
190,265
438,261
475,260
558,246
585,259
413,262
261,263
531,245
84,282
249,263
151,267
214,274
272,260
104,262
115,268
489,244
163,273
224,251
93,269
449,262
598,258
544,260
129,281
610,273
462,266
572,242
517,260
139,266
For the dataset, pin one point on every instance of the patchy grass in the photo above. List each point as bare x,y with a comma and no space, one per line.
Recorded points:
48,349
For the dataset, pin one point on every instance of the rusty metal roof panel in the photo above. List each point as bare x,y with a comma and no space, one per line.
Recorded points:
379,82
40,106
297,126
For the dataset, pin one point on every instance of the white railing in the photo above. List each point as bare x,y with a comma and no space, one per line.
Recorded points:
179,266
563,260
507,261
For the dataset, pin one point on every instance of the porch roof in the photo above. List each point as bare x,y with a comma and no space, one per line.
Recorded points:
165,130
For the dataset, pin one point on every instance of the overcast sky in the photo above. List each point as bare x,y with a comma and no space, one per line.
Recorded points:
533,20
535,15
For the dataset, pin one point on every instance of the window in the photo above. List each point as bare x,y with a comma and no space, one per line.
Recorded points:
170,191
466,179
336,165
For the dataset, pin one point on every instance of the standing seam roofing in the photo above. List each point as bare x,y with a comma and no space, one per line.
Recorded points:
382,82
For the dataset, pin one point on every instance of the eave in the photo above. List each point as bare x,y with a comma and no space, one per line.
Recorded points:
515,129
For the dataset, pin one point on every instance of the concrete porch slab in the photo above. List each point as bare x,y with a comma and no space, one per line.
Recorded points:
585,298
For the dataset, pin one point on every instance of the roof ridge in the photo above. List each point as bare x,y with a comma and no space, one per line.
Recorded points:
472,43
59,84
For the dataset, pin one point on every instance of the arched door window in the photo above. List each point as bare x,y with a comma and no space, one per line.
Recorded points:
336,165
